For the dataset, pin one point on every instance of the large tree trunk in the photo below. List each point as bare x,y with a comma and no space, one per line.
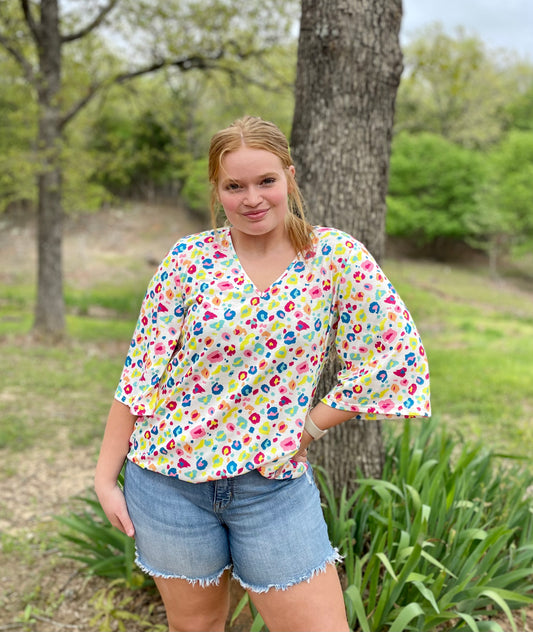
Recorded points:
349,68
50,307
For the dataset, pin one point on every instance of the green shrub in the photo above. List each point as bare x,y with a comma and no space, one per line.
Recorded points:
99,547
445,537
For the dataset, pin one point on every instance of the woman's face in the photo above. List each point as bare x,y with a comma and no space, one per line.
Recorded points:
253,189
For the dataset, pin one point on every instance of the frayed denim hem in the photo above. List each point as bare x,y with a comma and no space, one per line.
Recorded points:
334,558
203,582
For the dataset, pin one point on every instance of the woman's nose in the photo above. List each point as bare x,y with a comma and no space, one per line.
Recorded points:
252,197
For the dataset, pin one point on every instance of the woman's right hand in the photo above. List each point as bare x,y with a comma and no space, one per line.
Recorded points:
113,503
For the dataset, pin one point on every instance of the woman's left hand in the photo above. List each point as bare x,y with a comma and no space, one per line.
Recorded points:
301,455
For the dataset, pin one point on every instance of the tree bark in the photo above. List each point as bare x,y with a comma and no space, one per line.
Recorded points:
348,72
50,307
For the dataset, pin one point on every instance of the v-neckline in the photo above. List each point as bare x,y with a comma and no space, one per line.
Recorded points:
245,273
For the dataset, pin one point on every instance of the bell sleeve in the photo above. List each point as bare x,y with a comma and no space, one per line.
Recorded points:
384,370
155,339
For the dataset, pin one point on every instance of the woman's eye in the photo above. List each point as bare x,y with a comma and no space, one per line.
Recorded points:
269,181
232,186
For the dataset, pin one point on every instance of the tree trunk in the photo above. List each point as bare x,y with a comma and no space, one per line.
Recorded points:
50,307
349,68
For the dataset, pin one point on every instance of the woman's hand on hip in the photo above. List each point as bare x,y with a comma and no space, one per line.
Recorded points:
301,455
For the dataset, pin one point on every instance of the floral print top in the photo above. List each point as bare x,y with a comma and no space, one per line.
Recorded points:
222,375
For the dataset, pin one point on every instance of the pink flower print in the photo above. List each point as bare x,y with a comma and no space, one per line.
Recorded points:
230,427
215,356
367,266
274,381
197,432
255,418
412,389
359,276
224,285
386,405
390,336
271,343
303,367
289,444
160,348
289,306
315,292
128,389
172,405
248,353
259,458
379,346
230,350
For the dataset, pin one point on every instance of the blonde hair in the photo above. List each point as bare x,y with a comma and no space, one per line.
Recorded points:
256,133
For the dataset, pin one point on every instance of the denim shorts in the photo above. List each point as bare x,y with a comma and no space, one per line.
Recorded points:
271,532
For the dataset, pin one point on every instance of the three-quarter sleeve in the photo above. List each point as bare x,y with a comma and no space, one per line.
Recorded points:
154,340
384,370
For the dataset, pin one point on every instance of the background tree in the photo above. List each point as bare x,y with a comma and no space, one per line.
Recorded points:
433,191
348,71
455,87
171,34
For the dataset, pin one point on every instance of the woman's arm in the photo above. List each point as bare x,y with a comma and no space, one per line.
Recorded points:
324,417
115,446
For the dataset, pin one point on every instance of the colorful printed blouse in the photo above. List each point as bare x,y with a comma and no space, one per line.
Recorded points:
222,375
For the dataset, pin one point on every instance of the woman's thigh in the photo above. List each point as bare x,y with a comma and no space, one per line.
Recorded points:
191,607
316,605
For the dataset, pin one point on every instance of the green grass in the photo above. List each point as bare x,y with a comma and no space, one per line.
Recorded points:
479,337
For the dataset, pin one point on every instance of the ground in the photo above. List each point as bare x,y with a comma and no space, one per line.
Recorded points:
39,588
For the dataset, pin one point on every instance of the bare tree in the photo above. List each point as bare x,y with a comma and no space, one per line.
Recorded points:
349,68
211,45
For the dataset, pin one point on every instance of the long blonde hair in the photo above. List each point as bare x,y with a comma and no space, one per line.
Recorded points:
256,133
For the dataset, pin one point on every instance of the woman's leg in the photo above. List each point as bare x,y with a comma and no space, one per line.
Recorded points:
313,606
193,608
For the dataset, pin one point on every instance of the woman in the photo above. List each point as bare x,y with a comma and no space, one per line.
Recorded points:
214,414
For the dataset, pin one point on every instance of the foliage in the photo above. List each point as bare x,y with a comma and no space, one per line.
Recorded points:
112,612
432,188
102,549
506,197
455,87
445,537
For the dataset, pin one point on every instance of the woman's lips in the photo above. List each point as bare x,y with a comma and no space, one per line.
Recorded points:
256,215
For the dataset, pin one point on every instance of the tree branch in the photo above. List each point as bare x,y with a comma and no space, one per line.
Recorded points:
32,25
210,62
27,68
92,25
186,63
